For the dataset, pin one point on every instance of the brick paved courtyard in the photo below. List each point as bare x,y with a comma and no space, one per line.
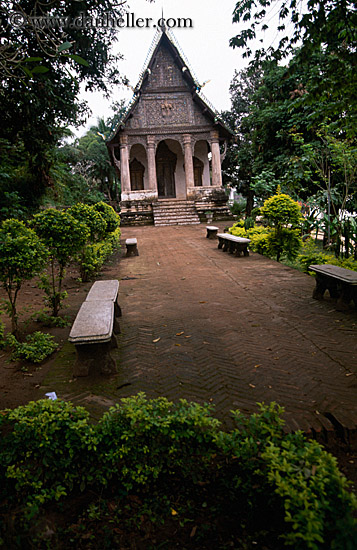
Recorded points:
204,325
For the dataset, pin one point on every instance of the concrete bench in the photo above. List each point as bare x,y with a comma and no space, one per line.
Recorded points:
233,244
94,327
340,282
131,247
211,231
106,290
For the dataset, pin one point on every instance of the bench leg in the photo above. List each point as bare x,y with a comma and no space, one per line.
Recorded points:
319,290
117,309
344,298
132,250
220,242
90,357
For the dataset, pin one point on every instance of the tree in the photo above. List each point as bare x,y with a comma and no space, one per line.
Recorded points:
283,214
64,236
326,29
42,64
22,256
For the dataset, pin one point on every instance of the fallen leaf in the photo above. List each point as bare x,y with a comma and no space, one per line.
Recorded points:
349,374
179,333
257,366
173,512
202,302
193,532
187,336
313,470
178,345
252,385
157,339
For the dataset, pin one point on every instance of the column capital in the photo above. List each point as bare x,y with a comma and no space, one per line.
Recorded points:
123,140
187,139
214,136
150,140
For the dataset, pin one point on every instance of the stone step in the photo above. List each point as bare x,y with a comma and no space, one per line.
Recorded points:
175,212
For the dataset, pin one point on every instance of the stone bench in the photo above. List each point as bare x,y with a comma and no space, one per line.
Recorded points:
131,247
211,231
106,290
94,327
340,282
233,244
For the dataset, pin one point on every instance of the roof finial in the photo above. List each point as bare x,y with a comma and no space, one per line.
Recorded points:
162,26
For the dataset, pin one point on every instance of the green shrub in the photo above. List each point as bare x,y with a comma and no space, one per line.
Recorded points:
92,258
44,453
93,219
312,255
111,218
176,452
37,347
283,215
183,434
22,256
64,236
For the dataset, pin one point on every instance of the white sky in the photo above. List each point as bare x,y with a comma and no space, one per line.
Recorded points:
206,46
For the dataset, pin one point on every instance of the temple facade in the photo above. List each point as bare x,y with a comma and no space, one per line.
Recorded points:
169,145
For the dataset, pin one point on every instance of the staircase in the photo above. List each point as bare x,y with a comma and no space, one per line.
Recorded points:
175,212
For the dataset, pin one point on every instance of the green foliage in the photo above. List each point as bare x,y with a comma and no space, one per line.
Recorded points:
258,235
93,219
44,452
92,259
280,210
103,239
22,256
111,217
238,207
283,214
176,455
64,236
62,233
38,346
183,435
312,255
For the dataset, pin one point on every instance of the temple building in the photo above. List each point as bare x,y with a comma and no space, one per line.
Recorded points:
169,145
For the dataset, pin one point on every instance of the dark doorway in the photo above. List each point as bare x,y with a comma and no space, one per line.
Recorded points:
136,175
165,171
197,171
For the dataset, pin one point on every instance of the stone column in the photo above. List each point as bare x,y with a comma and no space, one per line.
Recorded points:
124,165
216,160
151,163
190,179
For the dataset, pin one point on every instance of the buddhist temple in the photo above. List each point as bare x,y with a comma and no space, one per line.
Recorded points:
169,144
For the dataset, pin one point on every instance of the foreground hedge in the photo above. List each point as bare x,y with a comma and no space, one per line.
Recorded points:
49,451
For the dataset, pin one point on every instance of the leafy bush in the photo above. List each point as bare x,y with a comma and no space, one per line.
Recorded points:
283,215
238,207
93,219
37,347
281,210
257,234
22,256
64,236
176,454
44,453
111,217
92,258
312,255
183,434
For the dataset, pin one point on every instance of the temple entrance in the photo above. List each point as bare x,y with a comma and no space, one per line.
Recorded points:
165,171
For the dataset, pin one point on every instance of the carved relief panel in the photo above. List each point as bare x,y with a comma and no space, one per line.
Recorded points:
165,72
